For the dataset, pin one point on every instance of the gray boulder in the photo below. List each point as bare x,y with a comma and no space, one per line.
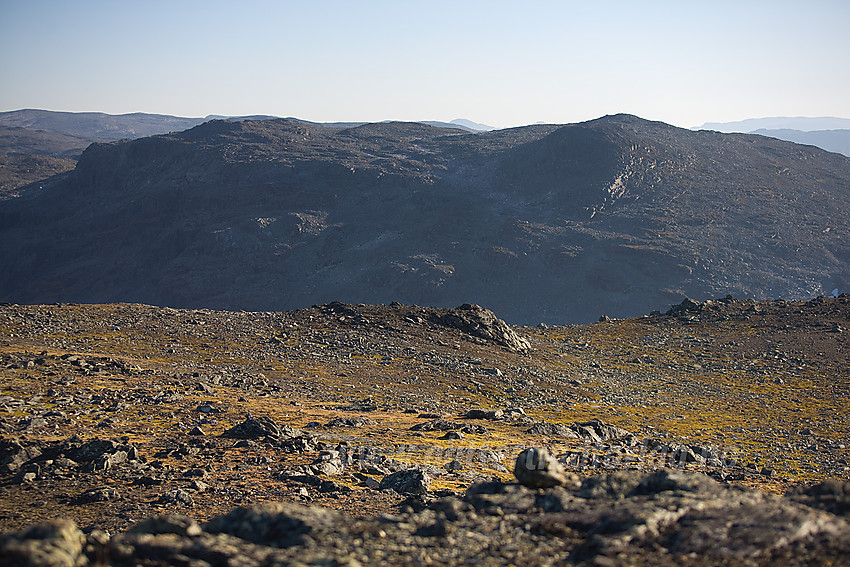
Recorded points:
407,482
535,467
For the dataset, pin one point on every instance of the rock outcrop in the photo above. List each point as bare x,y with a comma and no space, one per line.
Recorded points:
480,322
666,518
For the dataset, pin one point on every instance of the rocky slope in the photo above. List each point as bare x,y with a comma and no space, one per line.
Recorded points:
543,223
28,156
355,434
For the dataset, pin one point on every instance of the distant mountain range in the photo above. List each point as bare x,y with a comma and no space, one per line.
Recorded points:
97,126
803,123
35,144
831,134
548,223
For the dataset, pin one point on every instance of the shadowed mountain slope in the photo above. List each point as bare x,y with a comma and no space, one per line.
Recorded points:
543,223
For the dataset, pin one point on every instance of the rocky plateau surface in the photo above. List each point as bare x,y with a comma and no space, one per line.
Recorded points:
713,433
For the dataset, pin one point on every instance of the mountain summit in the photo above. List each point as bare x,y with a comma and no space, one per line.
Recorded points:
545,223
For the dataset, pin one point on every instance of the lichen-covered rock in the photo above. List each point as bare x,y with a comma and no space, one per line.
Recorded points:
261,428
535,467
411,482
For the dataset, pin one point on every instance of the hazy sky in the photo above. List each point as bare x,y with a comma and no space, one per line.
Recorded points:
500,63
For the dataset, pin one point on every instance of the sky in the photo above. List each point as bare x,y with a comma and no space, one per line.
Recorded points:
498,63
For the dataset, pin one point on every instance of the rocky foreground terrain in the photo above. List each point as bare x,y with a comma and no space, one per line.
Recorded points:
714,433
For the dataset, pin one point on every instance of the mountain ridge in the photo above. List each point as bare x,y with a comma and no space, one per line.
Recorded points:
551,223
801,123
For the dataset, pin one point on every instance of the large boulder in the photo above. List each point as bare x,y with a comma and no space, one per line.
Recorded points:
56,543
411,481
483,323
262,428
535,467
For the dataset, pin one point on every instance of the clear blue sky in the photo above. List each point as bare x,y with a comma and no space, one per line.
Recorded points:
500,63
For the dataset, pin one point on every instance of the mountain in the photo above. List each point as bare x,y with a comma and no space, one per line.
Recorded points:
830,140
475,126
97,125
28,156
805,124
549,223
23,141
830,134
35,144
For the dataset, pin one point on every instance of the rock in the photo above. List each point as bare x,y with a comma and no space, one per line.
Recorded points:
300,444
13,455
453,466
167,524
349,422
537,468
56,543
196,431
489,457
29,473
688,306
438,424
329,467
832,495
366,480
436,528
262,428
618,484
413,482
453,435
106,462
196,473
177,496
552,430
275,524
492,415
98,495
483,323
92,450
148,481
667,480
329,486
598,431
